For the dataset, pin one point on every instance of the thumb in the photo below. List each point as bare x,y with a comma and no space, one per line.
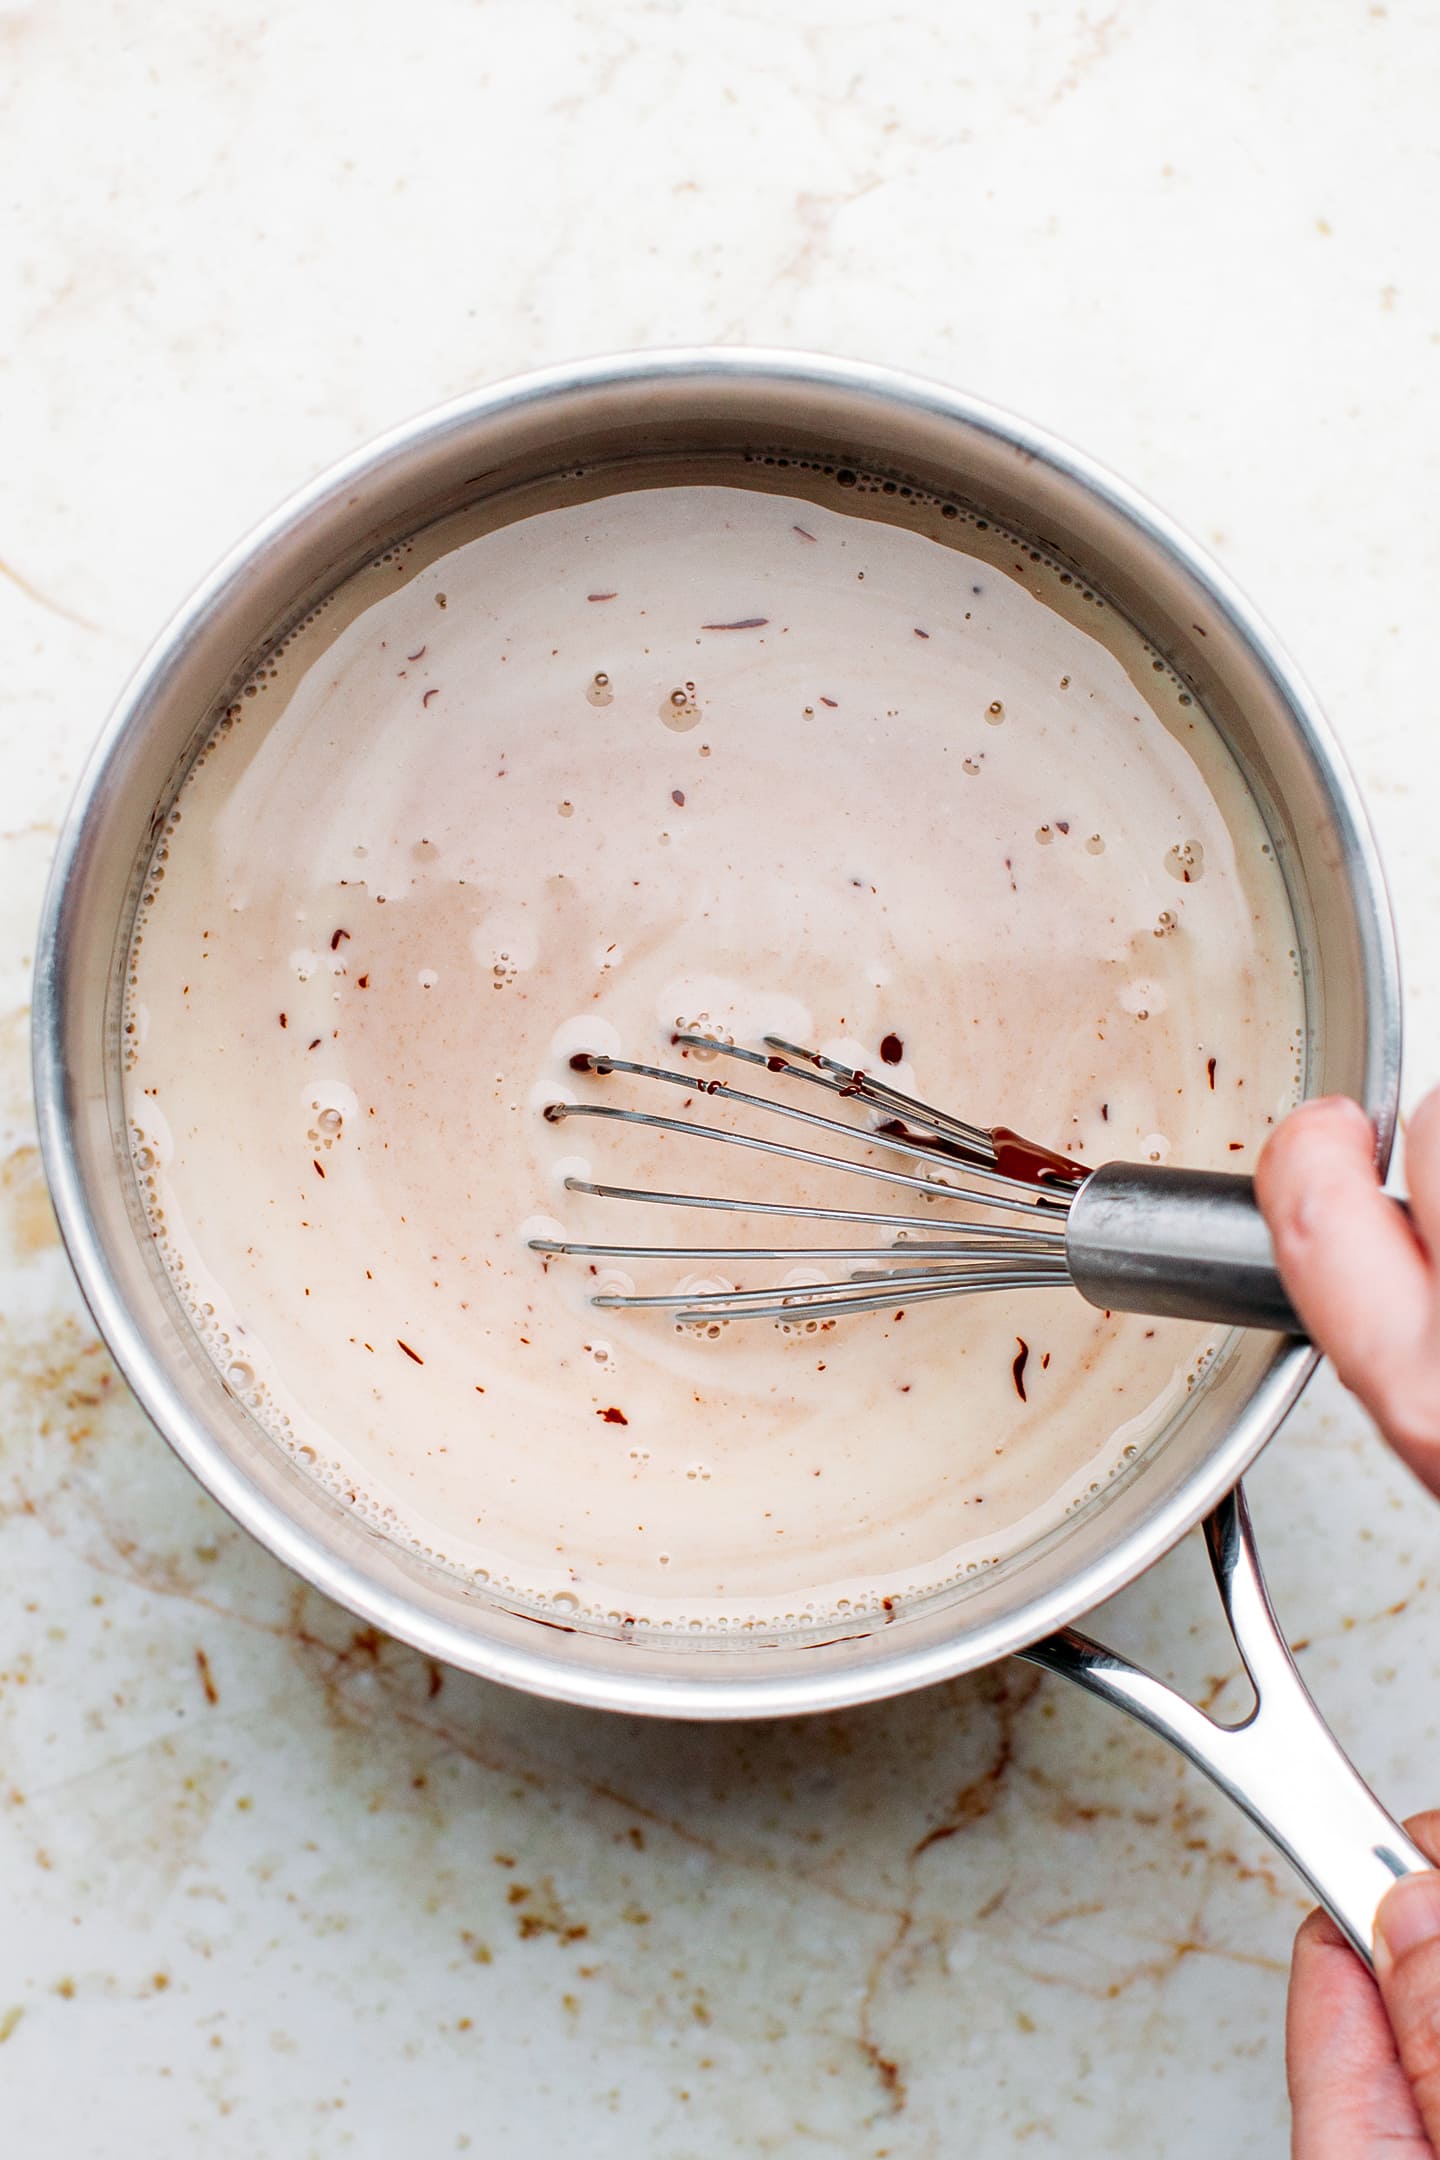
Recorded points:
1407,1967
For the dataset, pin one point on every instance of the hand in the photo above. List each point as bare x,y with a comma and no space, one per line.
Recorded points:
1361,1279
1364,2054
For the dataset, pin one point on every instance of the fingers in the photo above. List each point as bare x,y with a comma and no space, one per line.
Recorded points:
1407,1964
1348,2093
1422,1169
1407,1969
1357,1274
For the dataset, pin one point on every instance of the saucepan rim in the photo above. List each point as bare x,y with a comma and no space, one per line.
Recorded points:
545,1669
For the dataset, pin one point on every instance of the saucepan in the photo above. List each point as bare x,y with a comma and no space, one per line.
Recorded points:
1279,1763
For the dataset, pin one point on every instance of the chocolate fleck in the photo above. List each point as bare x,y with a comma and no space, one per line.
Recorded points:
1017,1368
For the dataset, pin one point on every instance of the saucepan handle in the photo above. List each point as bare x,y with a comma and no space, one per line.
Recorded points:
1281,1763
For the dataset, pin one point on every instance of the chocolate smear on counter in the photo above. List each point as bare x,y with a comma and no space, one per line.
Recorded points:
746,622
409,1352
1017,1369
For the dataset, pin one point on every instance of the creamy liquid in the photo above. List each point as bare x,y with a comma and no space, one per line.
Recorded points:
711,757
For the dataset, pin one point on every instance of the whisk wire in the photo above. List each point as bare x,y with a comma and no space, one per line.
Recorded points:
953,1257
802,1155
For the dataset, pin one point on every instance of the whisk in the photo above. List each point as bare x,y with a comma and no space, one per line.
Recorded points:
1130,1237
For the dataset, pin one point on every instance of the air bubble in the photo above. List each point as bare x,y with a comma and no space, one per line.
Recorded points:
598,690
681,711
702,1024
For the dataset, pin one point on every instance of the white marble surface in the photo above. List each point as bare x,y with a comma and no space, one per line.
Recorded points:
270,1885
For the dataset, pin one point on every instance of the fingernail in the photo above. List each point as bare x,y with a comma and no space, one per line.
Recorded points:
1409,1915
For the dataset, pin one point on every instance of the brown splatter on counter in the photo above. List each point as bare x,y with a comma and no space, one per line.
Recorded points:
25,1206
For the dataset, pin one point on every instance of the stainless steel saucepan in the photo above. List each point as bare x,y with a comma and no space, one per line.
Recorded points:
1280,1764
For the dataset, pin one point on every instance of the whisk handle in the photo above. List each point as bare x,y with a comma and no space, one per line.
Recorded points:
1189,1244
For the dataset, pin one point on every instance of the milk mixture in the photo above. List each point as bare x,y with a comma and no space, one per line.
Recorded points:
703,757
